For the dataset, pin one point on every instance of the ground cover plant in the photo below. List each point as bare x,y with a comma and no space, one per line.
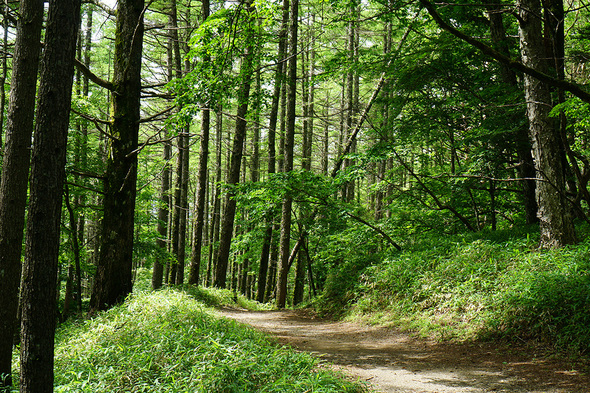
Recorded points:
167,341
489,285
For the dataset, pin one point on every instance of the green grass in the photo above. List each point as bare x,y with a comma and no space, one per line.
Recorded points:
493,285
167,341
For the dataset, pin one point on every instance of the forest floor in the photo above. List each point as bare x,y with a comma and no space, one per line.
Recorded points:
393,361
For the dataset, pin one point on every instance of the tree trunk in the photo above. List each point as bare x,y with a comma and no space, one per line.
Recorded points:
299,289
183,209
15,171
114,269
39,280
556,223
526,167
216,218
285,239
202,182
162,258
236,156
3,76
272,126
271,278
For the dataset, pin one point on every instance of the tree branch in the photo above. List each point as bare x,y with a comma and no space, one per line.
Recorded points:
93,77
515,65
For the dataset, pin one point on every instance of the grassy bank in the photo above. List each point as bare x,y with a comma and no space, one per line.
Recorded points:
493,285
167,341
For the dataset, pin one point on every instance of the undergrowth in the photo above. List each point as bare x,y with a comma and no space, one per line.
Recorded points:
167,341
494,285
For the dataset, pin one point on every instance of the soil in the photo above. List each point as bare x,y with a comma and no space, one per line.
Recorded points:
389,360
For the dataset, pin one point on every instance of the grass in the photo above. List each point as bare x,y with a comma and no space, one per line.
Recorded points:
493,285
168,341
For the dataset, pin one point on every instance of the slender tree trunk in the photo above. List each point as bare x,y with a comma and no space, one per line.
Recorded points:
162,243
217,198
326,139
263,269
113,280
39,280
236,156
15,172
201,198
556,222
272,126
285,239
182,225
299,289
202,182
271,278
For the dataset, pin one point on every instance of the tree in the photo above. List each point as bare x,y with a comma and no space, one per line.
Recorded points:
15,171
279,79
227,222
114,267
285,239
202,182
164,203
556,221
39,280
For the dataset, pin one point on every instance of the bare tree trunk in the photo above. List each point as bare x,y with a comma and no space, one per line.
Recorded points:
15,172
526,167
271,279
285,240
278,87
113,280
4,75
202,181
39,280
556,223
236,157
214,236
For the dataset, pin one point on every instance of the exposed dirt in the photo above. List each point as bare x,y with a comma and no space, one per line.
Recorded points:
393,361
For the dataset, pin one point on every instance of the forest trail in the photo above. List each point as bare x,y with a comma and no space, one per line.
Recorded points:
393,361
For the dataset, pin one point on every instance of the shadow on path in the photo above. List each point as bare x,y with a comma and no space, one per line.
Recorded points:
393,361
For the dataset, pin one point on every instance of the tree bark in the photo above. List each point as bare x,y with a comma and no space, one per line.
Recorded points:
556,222
526,167
4,74
285,239
202,182
15,171
216,217
236,156
39,280
113,280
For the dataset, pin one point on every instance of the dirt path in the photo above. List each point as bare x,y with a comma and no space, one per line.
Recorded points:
392,361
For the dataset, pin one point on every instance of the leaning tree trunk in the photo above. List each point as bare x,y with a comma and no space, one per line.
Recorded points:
39,279
556,222
15,171
113,280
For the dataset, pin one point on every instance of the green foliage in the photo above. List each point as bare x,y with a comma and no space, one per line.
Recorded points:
167,342
487,285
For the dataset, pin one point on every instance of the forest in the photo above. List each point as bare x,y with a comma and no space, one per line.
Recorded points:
417,163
